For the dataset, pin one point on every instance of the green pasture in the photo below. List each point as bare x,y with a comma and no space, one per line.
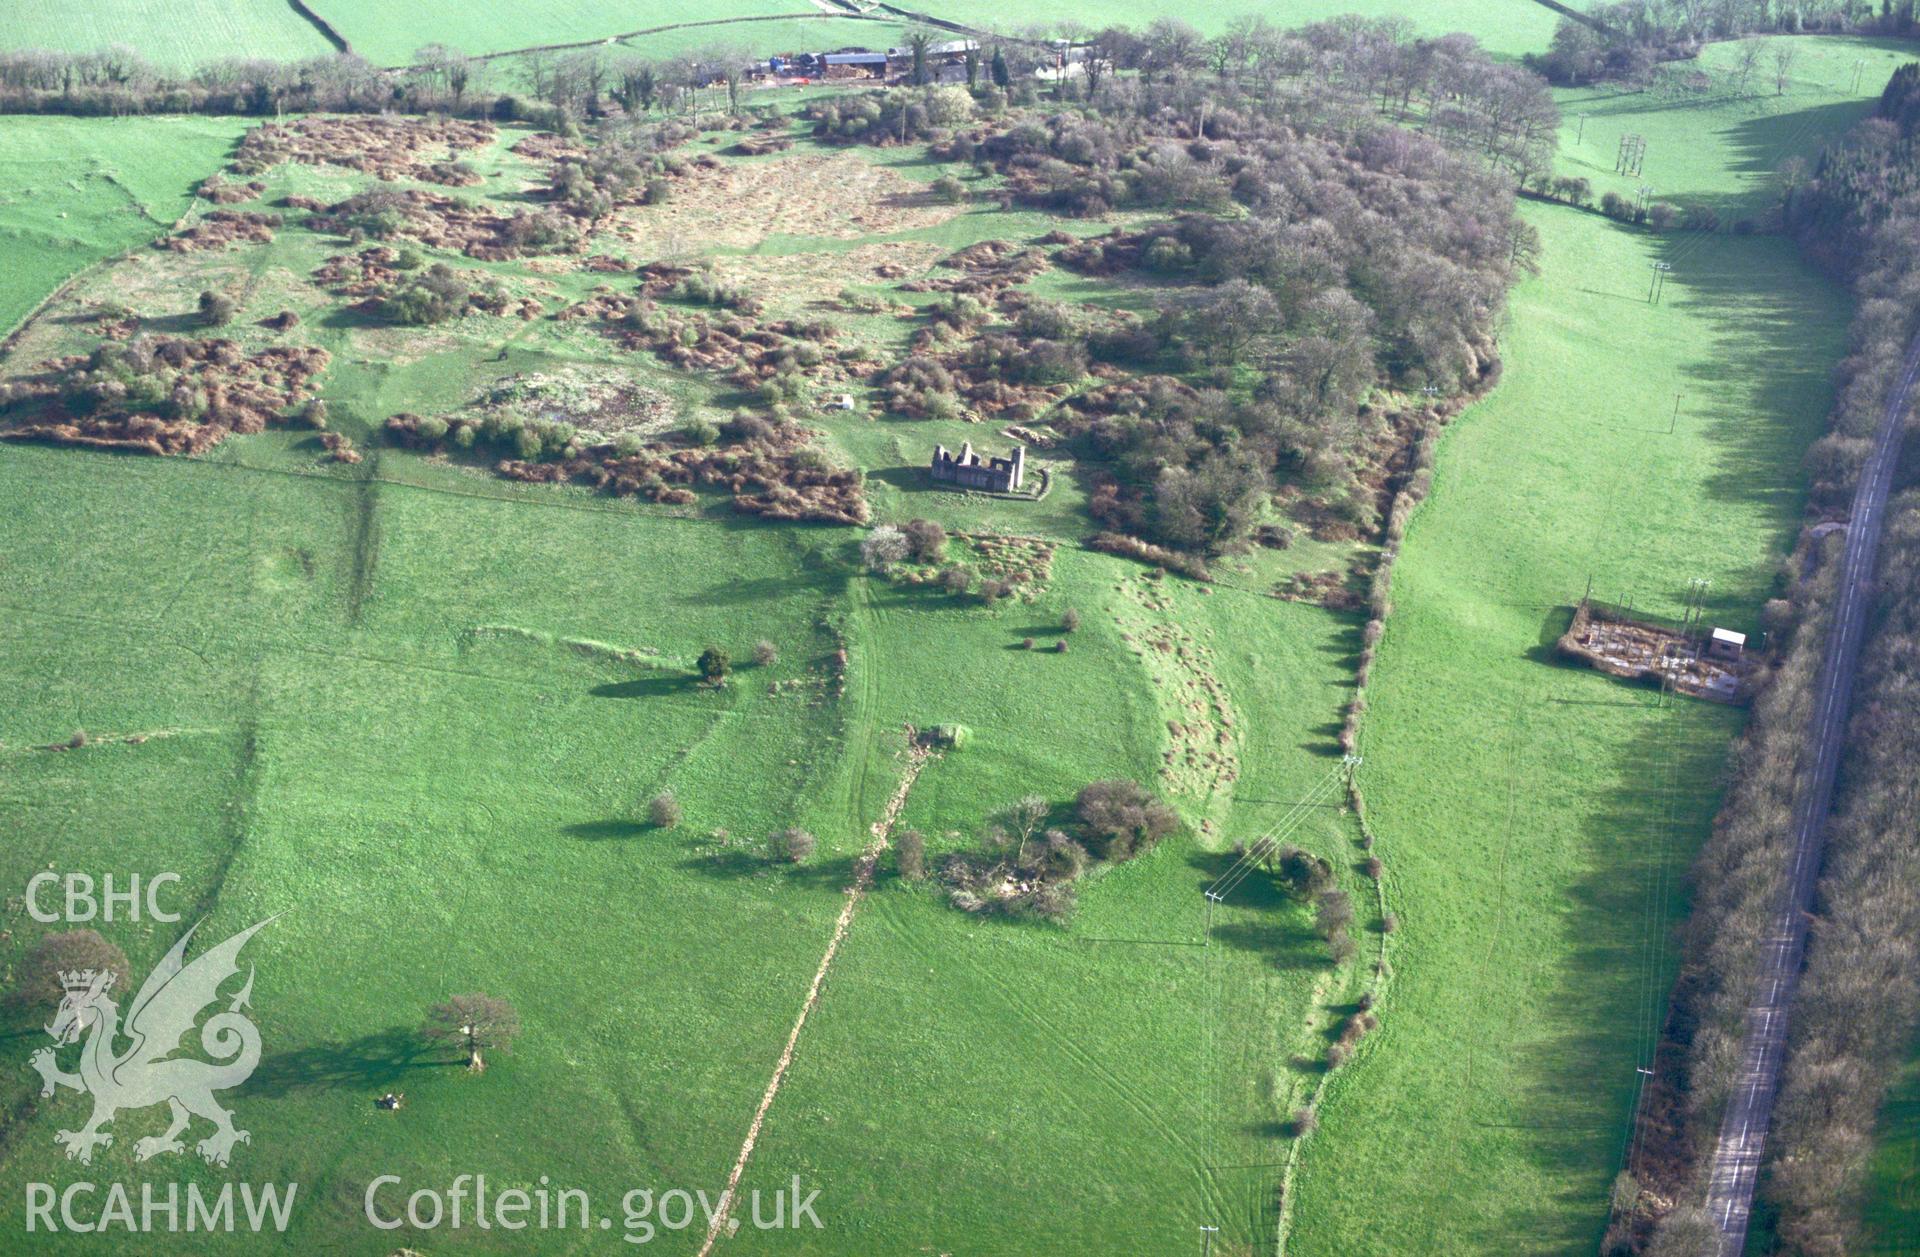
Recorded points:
76,190
1537,818
1160,1070
418,710
1502,26
174,36
1893,1185
1711,141
664,28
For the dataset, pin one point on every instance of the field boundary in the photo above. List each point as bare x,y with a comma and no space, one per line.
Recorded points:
325,27
366,540
917,757
40,307
1585,19
603,40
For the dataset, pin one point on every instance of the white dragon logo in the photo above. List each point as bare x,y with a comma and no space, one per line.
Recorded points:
170,1001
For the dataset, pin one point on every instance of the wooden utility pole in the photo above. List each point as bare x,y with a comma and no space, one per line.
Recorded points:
1632,155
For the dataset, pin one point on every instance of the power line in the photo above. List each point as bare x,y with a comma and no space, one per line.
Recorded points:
1263,846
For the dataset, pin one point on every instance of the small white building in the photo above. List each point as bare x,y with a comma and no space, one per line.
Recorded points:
1726,644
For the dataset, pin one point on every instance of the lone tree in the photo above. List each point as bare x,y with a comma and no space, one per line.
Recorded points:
765,653
714,665
37,981
918,43
926,541
1023,820
475,1023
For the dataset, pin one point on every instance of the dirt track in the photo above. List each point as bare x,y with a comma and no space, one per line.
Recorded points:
917,757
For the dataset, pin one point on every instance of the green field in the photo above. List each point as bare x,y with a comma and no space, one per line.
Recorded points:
1710,142
76,190
205,30
175,36
1538,819
1509,27
1893,1186
367,697
418,710
501,26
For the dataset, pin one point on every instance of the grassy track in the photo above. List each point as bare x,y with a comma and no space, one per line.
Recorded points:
178,36
1537,818
76,190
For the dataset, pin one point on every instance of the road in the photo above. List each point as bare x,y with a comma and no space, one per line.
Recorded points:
1743,1134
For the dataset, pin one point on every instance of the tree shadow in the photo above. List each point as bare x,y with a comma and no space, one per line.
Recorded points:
179,324
607,830
736,863
1287,945
648,687
765,589
911,479
1568,1085
352,318
1758,408
1761,143
371,1061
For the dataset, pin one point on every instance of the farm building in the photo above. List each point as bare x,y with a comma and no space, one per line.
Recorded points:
968,469
848,63
1726,644
946,63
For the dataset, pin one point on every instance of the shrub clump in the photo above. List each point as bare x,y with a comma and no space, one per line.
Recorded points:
1122,819
663,810
794,845
1022,866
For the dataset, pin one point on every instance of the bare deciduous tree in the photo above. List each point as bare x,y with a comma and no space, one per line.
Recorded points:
475,1023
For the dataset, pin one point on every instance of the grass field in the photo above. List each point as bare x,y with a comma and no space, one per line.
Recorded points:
1538,819
1709,141
1893,1188
385,38
369,698
176,36
418,709
76,190
1509,27
207,30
